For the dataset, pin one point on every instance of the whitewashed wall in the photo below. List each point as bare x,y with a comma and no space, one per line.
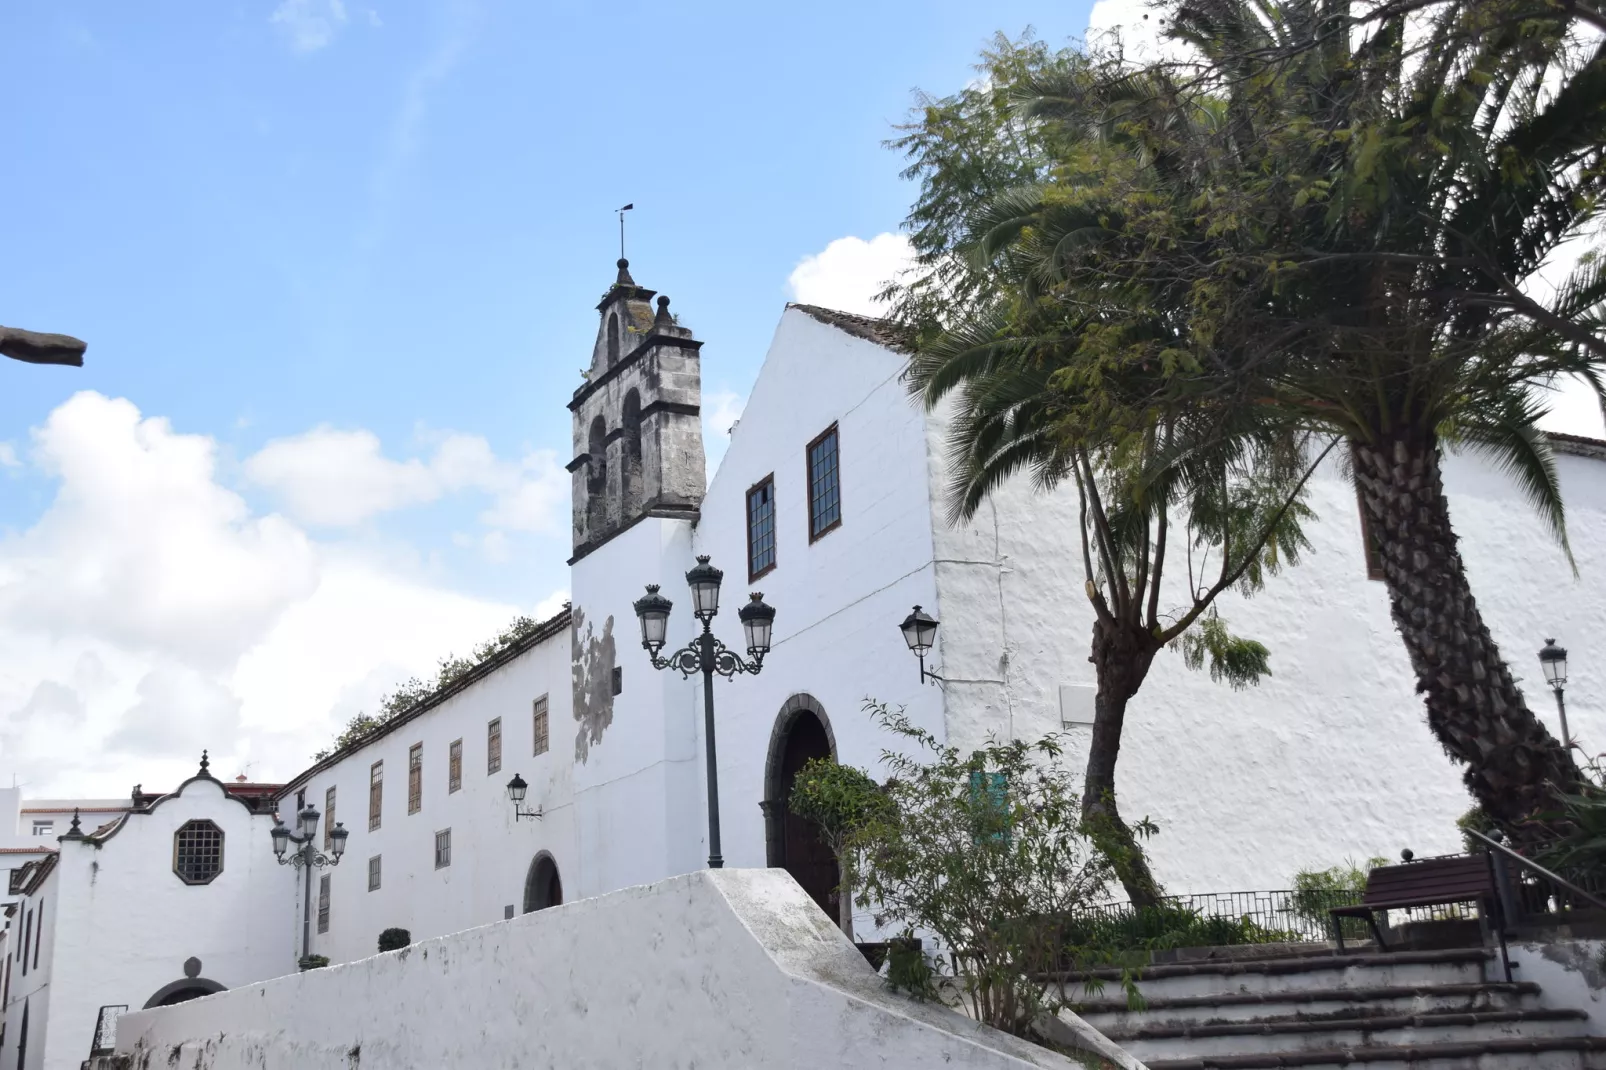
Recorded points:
119,923
732,969
30,985
491,851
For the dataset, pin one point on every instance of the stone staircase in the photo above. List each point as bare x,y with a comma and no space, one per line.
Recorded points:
1404,1010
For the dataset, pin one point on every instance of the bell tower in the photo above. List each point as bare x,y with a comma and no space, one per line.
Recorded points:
638,437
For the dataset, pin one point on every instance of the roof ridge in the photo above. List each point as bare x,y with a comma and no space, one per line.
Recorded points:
883,332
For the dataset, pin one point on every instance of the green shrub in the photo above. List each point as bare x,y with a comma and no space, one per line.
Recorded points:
1317,891
394,939
1478,821
314,962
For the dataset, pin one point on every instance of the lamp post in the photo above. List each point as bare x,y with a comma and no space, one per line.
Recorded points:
706,655
307,857
1553,659
920,632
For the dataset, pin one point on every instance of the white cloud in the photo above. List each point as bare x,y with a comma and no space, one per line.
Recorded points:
8,456
149,614
721,410
1136,26
848,273
309,24
337,478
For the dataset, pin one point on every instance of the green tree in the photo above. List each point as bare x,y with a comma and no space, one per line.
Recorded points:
839,800
1022,357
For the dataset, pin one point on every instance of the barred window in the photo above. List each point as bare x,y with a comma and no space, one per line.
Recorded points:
493,747
415,778
323,903
198,852
373,874
328,818
376,793
541,734
454,766
825,495
761,528
443,848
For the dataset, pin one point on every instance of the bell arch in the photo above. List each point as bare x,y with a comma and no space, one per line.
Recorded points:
543,886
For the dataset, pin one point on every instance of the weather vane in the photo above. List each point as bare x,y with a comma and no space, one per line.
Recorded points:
622,212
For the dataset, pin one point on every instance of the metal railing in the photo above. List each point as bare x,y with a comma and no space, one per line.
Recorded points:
1530,892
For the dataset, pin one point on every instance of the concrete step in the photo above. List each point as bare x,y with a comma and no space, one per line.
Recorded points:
1392,1032
1550,1053
1113,1014
1401,969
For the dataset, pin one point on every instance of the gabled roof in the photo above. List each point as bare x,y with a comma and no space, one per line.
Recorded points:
882,332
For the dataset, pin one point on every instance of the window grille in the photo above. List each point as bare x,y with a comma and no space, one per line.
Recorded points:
825,496
373,874
198,852
323,903
443,848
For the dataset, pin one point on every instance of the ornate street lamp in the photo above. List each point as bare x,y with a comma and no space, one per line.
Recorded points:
308,858
516,789
706,655
920,632
1553,659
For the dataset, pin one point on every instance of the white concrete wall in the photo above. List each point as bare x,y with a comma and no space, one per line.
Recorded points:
491,851
31,988
729,969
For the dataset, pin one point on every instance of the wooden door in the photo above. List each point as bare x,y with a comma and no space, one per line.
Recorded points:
803,853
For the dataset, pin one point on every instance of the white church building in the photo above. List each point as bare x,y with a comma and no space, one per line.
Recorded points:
829,502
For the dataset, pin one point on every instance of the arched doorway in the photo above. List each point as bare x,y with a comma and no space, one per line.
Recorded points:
802,732
542,887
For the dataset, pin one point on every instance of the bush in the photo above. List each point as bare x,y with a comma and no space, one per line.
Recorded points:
394,939
1111,934
1478,821
1316,891
314,962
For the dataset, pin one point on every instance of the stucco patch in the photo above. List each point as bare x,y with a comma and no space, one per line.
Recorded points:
593,658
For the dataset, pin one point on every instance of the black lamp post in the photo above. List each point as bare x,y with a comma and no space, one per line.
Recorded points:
920,632
307,857
706,655
516,789
1553,659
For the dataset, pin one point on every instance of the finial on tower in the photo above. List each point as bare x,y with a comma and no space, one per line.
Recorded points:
73,833
206,765
624,278
663,316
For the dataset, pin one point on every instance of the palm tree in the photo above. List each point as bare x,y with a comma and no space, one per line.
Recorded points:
1339,209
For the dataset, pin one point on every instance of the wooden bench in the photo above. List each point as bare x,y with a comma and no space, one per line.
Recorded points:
1430,882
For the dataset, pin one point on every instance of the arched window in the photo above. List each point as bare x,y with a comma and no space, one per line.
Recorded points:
542,886
613,339
630,485
198,852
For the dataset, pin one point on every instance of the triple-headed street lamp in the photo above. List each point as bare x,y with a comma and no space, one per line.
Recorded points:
707,655
307,857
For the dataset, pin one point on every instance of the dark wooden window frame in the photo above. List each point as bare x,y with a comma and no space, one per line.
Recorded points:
376,793
328,817
415,778
768,481
178,844
493,746
541,725
375,872
323,903
454,766
443,839
808,483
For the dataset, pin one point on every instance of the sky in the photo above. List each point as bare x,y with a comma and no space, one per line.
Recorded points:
337,262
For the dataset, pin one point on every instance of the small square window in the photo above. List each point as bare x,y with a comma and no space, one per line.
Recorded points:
761,528
454,766
415,778
373,874
323,903
493,747
443,848
540,726
825,493
44,828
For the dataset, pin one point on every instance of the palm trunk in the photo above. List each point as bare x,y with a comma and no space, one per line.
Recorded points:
1121,659
1514,766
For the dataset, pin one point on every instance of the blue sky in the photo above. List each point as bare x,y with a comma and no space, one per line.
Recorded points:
336,263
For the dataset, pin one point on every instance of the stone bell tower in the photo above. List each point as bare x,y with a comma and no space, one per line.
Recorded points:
638,436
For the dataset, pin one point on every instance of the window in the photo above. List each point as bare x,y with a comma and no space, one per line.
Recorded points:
1369,544
618,679
376,793
443,848
493,747
761,528
415,778
328,818
454,766
825,496
373,874
991,813
540,723
323,903
38,933
198,852
44,828
27,938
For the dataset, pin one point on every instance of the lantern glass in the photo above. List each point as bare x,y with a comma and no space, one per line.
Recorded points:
653,610
704,581
281,838
309,822
919,631
516,789
1553,659
758,620
337,838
